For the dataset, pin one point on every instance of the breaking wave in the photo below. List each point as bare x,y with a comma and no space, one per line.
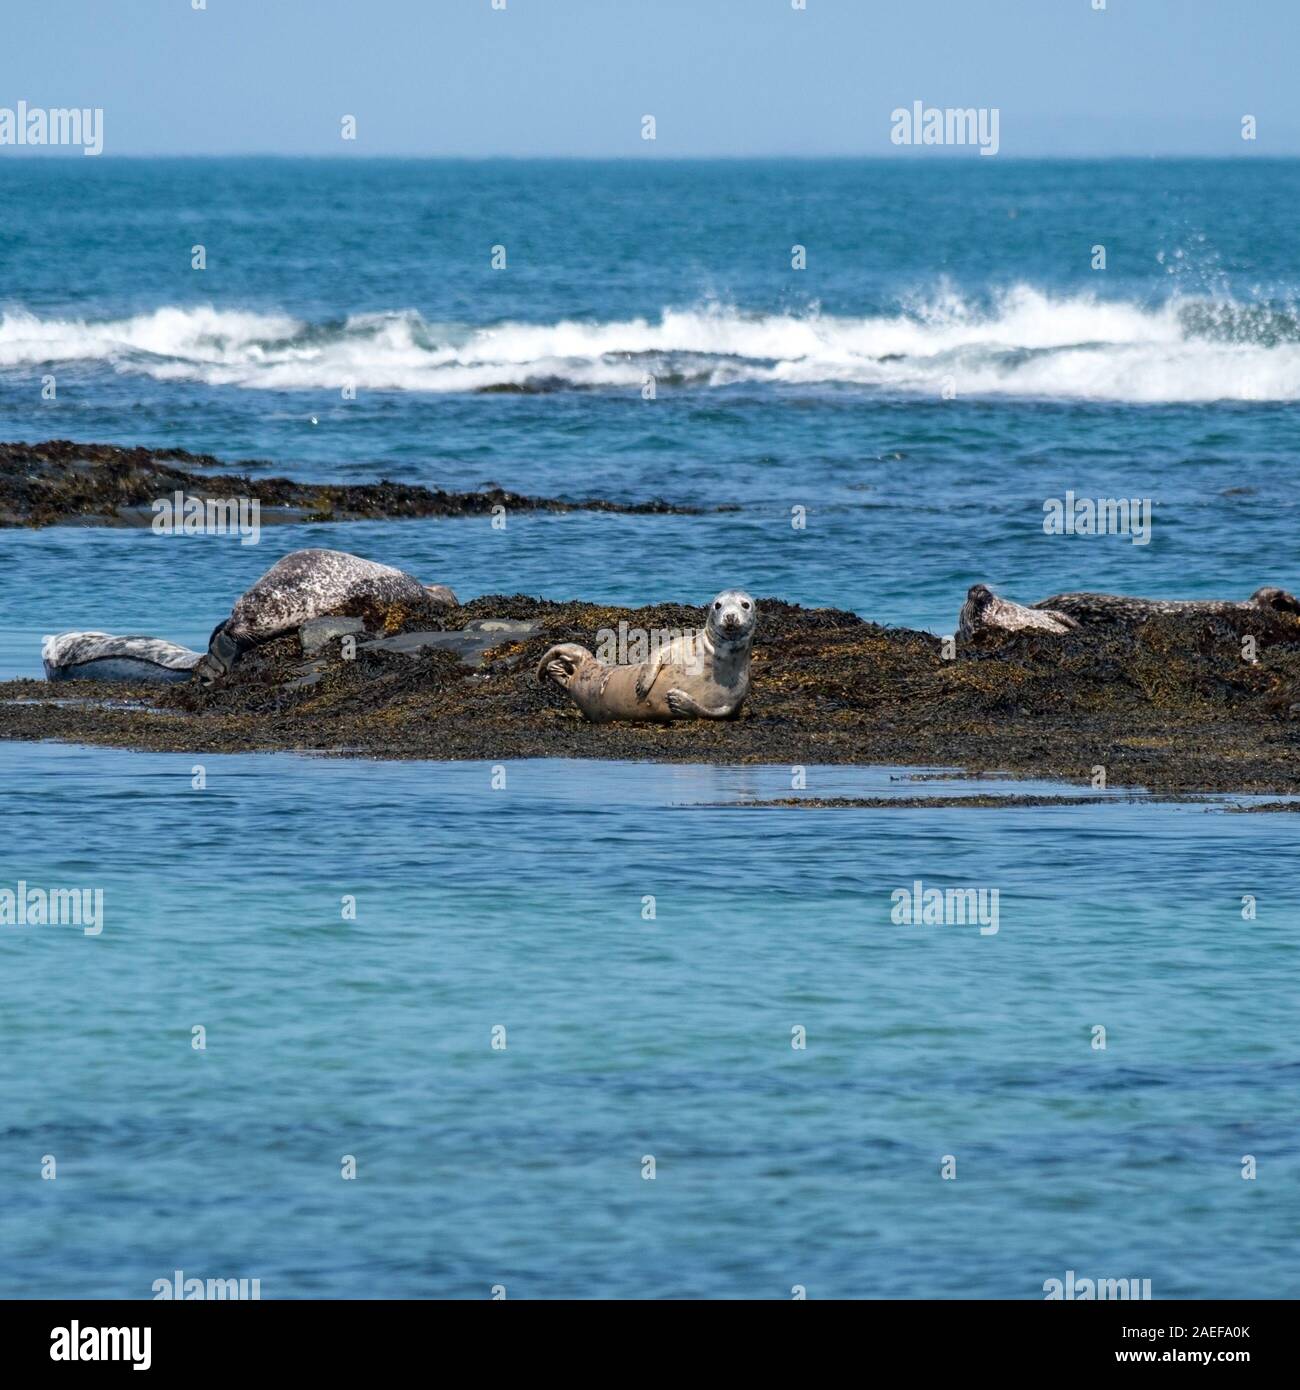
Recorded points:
1026,343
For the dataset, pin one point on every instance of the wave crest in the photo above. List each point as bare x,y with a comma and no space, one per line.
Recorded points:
1026,343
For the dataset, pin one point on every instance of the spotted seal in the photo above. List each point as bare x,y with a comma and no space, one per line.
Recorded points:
99,656
985,614
306,584
1099,609
698,675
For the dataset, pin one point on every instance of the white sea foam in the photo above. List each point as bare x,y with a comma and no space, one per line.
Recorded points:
1026,344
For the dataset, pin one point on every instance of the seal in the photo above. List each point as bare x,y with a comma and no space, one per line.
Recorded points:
1100,609
984,614
308,584
698,675
98,656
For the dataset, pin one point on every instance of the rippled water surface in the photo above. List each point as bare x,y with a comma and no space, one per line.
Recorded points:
522,908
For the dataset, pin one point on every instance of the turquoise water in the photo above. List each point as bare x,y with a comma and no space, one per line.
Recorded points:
522,907
1174,374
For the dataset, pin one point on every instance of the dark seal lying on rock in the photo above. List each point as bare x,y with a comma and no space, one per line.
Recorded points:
985,614
308,584
1096,609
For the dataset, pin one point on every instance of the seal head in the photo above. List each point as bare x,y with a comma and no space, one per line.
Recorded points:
733,615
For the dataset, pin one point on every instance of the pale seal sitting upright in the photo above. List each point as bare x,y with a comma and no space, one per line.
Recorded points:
1119,608
985,613
307,584
699,675
97,656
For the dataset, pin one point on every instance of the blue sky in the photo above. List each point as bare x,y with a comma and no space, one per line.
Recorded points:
721,77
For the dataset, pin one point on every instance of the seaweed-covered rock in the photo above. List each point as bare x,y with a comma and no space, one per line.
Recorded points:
1181,703
60,482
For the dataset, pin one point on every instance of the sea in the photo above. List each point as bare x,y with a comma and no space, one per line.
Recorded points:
553,1029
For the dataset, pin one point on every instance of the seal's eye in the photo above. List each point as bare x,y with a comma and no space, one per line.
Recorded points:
717,605
745,606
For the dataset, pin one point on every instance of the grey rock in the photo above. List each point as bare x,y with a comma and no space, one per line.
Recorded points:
315,633
518,627
468,645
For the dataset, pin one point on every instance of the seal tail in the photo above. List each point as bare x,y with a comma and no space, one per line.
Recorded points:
569,654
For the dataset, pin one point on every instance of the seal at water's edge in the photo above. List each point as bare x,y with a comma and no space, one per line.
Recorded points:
699,675
307,584
984,613
99,656
1097,609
